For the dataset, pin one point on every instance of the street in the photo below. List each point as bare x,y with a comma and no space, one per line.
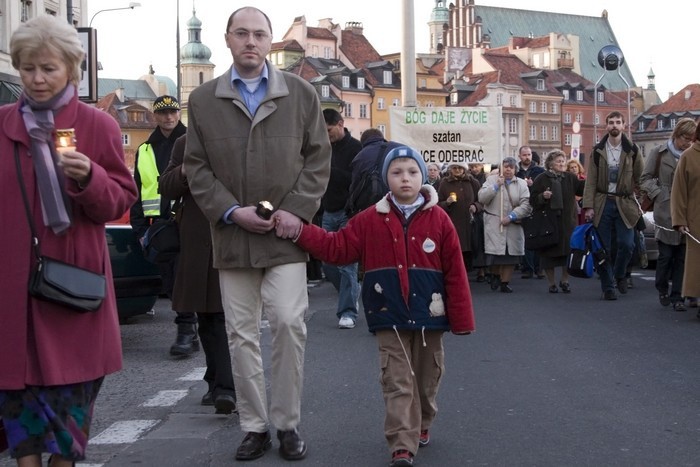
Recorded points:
547,380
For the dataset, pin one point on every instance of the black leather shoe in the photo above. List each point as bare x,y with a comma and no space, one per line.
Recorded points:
225,404
505,288
208,398
292,448
185,344
253,446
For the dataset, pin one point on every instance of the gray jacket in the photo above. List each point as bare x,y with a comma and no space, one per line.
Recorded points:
660,191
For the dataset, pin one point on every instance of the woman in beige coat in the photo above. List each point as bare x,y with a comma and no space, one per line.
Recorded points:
506,200
685,213
656,181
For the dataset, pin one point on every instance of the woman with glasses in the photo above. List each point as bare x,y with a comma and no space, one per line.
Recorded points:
656,181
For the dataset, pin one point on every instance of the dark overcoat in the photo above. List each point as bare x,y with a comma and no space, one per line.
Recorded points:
570,187
196,282
467,191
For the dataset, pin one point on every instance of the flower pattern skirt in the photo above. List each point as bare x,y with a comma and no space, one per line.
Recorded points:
54,419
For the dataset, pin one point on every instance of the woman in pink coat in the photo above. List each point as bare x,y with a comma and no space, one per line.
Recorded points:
52,358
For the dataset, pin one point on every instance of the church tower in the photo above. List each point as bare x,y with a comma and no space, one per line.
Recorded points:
194,60
438,19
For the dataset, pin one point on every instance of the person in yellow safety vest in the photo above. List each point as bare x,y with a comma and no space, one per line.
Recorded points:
152,157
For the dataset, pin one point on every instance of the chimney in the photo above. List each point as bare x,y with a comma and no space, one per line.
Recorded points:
687,94
354,26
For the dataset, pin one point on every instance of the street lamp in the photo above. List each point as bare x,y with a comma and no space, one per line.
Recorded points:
610,58
131,6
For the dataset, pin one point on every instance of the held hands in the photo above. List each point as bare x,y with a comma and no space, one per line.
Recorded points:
75,165
683,229
500,181
287,225
472,209
547,194
451,199
246,217
505,220
589,213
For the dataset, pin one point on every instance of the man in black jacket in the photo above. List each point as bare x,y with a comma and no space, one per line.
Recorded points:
343,278
152,158
528,170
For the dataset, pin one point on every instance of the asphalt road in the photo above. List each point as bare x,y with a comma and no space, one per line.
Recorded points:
547,380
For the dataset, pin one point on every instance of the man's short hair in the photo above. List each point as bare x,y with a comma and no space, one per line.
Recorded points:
332,116
614,114
370,133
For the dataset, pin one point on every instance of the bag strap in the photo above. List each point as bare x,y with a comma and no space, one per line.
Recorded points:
658,163
25,199
380,156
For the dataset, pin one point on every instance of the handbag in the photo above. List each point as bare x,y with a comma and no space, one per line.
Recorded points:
162,241
646,203
541,229
58,282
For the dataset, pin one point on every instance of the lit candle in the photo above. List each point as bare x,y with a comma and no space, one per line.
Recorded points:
65,140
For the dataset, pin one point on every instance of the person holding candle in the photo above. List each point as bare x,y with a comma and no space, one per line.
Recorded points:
249,123
458,196
53,360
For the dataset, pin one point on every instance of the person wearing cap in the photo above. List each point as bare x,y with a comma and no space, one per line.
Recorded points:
257,161
415,288
152,157
458,195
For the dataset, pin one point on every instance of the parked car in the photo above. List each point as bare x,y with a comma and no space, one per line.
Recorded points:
649,241
137,283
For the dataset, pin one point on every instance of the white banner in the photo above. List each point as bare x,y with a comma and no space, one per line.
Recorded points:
450,134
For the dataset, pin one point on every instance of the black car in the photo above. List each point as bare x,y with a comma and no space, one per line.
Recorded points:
137,282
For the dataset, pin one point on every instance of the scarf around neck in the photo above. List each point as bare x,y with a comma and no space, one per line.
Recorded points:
674,150
39,121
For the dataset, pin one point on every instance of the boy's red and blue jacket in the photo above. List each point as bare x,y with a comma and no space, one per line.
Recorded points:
414,274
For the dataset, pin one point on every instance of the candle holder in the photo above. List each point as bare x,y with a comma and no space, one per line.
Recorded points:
264,210
65,140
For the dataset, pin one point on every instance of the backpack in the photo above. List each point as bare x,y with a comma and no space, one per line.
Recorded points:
370,188
587,252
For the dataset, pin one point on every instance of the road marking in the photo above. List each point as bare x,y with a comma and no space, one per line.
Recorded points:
165,398
124,432
196,374
79,464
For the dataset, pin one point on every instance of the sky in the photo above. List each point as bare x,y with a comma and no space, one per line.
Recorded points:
131,40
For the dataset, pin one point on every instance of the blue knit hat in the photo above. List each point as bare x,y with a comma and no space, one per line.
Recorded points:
407,152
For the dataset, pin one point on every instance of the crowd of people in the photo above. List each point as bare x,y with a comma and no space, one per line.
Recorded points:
258,163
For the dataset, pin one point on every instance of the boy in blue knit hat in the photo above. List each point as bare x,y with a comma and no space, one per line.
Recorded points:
415,288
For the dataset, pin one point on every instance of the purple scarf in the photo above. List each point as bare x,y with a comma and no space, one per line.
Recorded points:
38,119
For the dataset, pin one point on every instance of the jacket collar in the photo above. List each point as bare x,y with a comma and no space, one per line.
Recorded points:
627,145
383,206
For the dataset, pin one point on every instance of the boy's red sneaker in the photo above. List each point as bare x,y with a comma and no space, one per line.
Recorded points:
424,439
401,458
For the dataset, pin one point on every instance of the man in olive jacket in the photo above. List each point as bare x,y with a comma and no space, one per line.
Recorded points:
257,134
608,200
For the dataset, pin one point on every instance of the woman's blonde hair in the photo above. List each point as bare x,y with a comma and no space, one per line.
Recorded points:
581,170
48,32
